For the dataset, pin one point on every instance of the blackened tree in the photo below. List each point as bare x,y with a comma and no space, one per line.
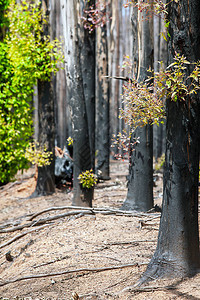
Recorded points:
46,127
140,179
80,76
177,252
102,98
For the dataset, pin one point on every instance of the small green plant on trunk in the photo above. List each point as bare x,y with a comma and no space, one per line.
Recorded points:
144,102
87,179
70,141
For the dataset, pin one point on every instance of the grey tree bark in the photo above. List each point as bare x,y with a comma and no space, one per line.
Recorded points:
177,252
119,45
160,55
46,126
140,179
79,56
103,105
62,123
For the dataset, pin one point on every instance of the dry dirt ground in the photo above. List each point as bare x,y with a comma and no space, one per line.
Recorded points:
75,254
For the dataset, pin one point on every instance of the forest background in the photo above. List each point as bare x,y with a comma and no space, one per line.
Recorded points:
80,89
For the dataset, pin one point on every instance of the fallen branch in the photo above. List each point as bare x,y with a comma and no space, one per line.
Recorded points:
43,221
133,289
94,210
130,242
21,235
57,208
78,211
51,262
70,272
9,185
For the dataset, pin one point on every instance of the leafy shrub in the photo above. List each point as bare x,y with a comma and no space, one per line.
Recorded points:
144,102
26,55
38,155
87,179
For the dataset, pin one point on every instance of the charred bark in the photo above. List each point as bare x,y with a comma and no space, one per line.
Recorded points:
45,179
140,179
79,75
46,127
103,106
62,122
160,55
177,252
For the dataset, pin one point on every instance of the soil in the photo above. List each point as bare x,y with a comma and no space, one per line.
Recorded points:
98,255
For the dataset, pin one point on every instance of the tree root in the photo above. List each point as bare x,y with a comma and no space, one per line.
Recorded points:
37,276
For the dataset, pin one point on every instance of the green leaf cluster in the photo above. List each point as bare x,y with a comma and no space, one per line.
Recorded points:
26,55
144,102
178,83
87,179
70,141
140,106
38,155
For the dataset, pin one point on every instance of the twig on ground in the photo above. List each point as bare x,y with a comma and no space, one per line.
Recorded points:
45,220
103,256
21,235
37,276
119,282
51,262
130,242
152,218
57,208
18,182
94,210
77,211
9,185
135,289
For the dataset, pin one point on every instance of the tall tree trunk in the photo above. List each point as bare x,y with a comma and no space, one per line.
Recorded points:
140,179
59,82
79,75
113,58
177,252
102,95
46,127
88,60
160,55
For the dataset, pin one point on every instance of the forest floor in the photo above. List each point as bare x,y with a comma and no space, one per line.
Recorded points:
59,253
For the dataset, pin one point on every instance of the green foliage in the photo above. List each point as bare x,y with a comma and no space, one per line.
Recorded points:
87,179
70,141
178,84
30,51
26,55
3,19
38,155
140,105
160,163
144,102
155,7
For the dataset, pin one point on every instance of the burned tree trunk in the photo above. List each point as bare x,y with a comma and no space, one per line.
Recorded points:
79,75
140,179
102,96
160,55
46,127
177,252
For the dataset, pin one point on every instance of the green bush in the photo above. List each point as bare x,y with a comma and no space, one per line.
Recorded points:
26,55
